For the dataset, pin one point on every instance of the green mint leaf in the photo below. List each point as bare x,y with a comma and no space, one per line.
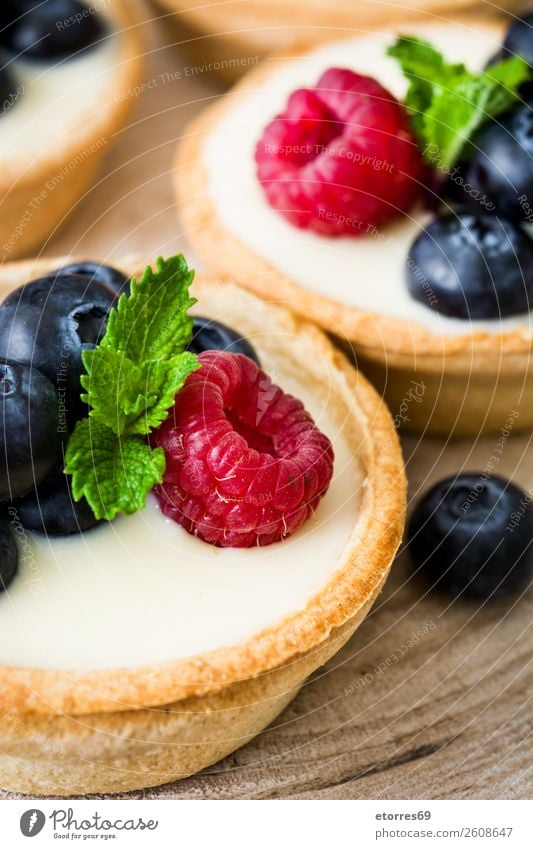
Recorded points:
152,322
163,380
421,62
114,388
447,103
130,384
113,474
445,141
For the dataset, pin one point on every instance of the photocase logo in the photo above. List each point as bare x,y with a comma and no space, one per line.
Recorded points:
32,822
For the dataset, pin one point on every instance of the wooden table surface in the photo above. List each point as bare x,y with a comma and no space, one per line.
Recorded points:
429,699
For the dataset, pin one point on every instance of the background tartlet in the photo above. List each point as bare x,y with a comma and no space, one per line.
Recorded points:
232,37
471,379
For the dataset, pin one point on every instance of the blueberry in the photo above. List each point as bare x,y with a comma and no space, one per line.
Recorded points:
105,274
518,42
30,435
499,171
9,91
53,29
48,323
473,535
8,556
519,39
472,266
52,510
210,335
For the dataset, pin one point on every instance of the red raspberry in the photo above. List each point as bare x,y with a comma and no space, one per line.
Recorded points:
341,159
246,464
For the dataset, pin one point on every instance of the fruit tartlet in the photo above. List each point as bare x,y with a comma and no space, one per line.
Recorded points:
198,509
67,77
227,37
381,186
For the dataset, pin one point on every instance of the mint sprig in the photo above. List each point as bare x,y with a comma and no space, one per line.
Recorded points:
447,102
130,383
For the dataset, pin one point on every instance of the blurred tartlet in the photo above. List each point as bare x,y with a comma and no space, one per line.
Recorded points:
454,375
68,89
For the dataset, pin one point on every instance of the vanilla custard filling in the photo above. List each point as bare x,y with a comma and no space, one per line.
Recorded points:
366,271
141,590
56,100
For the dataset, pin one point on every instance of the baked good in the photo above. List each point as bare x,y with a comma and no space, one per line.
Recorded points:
453,375
67,91
162,653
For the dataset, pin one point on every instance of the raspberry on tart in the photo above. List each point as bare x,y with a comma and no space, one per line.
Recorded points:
341,158
246,464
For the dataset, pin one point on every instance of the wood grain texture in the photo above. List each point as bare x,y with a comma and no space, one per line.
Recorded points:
447,716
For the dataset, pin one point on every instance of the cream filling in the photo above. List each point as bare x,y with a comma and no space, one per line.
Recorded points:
365,271
143,591
56,100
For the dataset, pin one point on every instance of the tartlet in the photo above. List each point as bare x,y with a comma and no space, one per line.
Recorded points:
228,38
467,378
48,158
77,730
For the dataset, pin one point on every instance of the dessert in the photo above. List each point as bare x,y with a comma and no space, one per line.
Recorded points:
62,90
136,652
379,289
230,37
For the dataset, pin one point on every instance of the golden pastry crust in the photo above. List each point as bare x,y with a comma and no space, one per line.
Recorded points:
37,196
339,605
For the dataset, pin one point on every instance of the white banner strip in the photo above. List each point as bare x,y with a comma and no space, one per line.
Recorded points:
267,825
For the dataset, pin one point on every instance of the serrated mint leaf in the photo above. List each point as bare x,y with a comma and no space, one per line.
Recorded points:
448,103
130,384
163,380
508,74
421,62
468,103
114,388
113,474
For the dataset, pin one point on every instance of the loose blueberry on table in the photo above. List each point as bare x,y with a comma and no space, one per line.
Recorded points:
473,536
230,456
